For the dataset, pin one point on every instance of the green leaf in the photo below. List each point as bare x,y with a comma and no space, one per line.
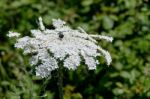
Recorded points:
107,22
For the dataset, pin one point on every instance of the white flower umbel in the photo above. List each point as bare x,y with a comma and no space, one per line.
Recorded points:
50,46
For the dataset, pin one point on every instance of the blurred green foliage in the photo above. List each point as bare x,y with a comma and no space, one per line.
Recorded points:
128,21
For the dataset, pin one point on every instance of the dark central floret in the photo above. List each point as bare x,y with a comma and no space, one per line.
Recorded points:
61,35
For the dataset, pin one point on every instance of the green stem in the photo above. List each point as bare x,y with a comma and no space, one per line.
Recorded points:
60,80
42,91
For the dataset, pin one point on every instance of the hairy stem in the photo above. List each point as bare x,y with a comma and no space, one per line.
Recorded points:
60,80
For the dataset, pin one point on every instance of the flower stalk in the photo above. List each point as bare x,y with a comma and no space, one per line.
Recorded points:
60,80
53,49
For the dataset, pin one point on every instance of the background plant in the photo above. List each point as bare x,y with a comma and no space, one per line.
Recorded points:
128,21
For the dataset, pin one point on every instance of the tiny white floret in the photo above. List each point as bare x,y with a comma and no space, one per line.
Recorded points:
13,34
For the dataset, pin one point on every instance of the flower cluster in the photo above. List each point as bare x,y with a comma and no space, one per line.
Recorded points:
49,46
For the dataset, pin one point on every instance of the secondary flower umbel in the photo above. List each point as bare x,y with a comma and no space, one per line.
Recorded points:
50,46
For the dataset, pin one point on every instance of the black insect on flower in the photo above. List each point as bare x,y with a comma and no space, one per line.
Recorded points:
61,35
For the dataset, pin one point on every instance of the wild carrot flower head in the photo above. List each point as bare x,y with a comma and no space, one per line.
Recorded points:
49,46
